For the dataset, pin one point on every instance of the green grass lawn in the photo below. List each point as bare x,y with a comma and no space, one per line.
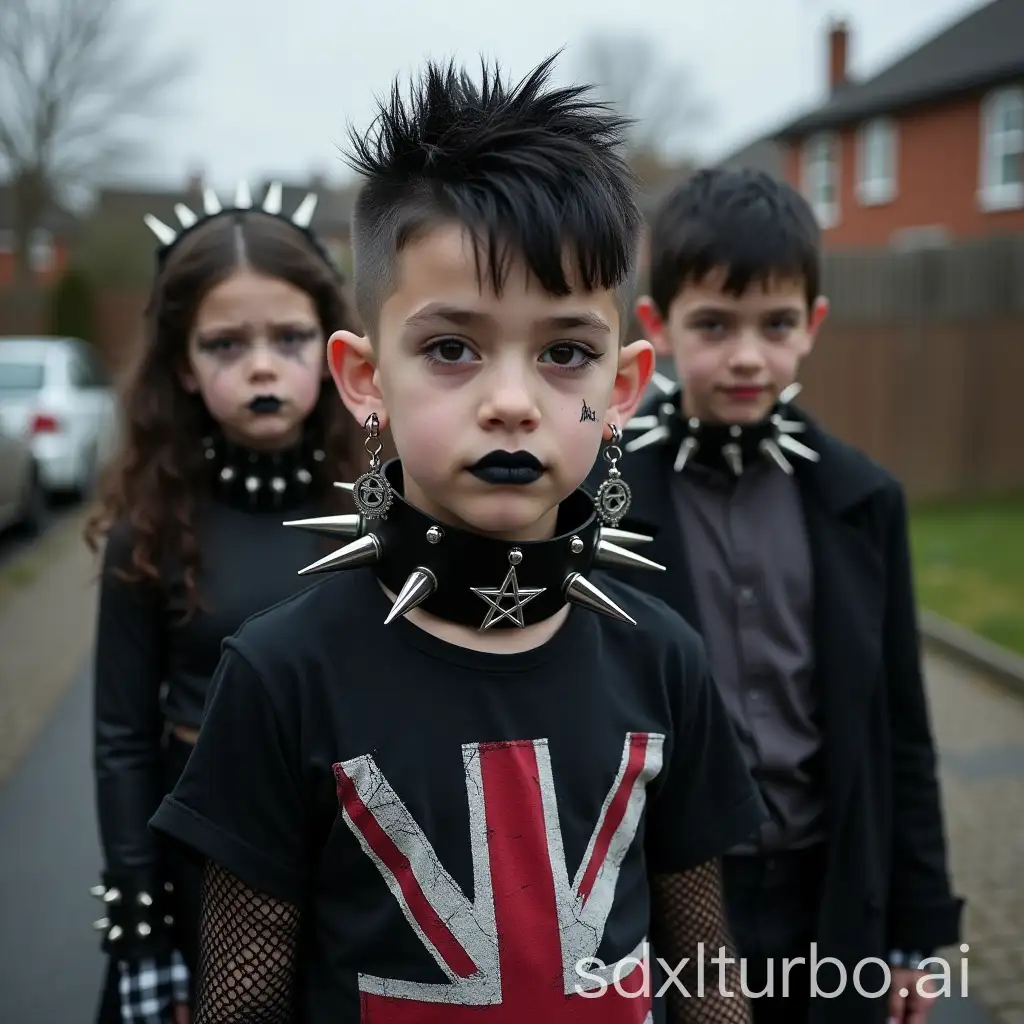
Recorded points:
969,562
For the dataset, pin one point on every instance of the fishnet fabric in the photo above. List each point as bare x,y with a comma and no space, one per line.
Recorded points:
247,948
688,910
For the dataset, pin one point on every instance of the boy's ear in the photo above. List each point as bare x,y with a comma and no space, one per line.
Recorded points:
653,325
354,371
636,367
819,311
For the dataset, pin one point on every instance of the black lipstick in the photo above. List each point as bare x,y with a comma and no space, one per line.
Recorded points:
507,468
264,404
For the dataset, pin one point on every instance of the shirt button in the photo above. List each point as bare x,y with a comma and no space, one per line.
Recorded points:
746,595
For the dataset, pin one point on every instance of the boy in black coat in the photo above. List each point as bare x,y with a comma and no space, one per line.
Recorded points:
788,550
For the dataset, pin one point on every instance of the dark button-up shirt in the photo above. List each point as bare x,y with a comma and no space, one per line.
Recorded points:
751,569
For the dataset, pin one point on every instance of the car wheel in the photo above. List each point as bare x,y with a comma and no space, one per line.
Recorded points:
34,506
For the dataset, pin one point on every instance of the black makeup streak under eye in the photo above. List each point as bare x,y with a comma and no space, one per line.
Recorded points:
587,414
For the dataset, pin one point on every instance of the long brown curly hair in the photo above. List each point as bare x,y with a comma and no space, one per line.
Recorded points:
159,476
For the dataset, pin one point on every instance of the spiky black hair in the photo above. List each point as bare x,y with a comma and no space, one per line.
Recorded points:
745,222
530,171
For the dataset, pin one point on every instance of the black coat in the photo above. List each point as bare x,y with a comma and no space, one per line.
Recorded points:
887,884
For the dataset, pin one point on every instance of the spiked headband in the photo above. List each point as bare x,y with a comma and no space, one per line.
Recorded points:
170,237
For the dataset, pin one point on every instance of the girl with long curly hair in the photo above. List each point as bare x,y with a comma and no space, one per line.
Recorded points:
232,426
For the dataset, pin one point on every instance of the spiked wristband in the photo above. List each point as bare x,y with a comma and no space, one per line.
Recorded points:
137,916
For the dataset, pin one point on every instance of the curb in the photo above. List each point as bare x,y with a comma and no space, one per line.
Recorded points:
1003,666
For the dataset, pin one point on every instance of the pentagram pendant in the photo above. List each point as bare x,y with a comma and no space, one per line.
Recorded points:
613,499
510,590
372,495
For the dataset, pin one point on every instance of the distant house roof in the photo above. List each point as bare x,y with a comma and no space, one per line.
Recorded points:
764,154
982,49
56,220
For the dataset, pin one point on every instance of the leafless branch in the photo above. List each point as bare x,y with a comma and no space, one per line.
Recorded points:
632,74
77,90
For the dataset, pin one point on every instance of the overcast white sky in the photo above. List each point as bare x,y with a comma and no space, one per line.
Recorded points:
275,81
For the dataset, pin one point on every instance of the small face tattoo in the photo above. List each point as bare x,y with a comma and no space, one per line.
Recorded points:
587,414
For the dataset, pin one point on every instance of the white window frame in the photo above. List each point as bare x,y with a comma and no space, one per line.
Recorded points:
822,156
877,161
993,192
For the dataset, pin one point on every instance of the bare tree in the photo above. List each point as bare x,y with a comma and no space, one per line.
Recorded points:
77,89
632,73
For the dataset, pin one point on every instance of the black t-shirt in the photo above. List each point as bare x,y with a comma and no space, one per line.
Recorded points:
460,829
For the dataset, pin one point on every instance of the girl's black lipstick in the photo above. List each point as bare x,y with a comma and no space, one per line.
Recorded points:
265,404
507,468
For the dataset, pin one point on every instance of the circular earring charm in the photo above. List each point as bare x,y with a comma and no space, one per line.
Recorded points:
371,492
613,497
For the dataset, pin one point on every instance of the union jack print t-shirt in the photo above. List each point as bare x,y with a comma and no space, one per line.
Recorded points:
469,836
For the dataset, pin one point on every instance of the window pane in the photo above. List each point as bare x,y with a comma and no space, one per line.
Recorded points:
1011,169
1011,117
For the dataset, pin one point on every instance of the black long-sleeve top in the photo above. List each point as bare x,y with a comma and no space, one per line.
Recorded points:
152,665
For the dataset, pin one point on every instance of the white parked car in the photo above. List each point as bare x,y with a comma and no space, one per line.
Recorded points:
57,391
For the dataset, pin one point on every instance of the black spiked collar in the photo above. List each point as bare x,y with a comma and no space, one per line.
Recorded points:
472,580
723,447
263,481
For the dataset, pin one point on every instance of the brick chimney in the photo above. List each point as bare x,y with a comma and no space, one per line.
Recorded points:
195,181
838,49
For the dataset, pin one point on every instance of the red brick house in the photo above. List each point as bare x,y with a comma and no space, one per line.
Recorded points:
51,242
929,150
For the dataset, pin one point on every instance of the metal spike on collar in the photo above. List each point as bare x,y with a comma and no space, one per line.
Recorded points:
733,454
791,444
611,554
641,423
364,551
784,426
211,204
664,384
624,538
774,452
788,394
243,197
348,525
419,585
686,449
580,591
655,436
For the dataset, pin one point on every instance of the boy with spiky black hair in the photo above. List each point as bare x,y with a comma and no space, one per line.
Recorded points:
788,550
466,778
